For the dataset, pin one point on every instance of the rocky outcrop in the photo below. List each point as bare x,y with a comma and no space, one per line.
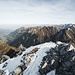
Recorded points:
26,59
20,49
65,35
12,52
4,58
60,58
19,70
4,48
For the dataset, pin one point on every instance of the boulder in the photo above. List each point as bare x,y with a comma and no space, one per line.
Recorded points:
4,58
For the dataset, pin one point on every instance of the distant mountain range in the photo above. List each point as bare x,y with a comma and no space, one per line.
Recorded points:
37,35
32,36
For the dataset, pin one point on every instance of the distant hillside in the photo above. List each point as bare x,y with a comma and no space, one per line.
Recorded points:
15,34
4,33
32,36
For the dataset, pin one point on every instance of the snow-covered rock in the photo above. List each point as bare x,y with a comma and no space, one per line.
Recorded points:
44,59
51,73
67,26
35,60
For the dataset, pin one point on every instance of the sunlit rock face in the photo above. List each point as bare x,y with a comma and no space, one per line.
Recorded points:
34,36
37,35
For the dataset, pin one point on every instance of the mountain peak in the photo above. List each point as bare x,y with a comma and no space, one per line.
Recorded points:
67,26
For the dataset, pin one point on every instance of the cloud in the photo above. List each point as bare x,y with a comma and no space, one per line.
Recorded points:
37,11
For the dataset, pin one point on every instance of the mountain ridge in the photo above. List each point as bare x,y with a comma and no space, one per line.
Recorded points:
38,35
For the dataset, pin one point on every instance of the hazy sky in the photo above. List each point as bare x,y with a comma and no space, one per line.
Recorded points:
20,12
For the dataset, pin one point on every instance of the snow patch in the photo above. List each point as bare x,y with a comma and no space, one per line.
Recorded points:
35,62
51,73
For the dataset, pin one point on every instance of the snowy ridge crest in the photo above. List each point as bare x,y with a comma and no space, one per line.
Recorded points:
44,59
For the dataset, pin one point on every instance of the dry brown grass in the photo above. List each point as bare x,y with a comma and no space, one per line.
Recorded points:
4,48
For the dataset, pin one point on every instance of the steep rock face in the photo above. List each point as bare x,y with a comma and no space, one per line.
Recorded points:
65,35
71,34
61,36
34,36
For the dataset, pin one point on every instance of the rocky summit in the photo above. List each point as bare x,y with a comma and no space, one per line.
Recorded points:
37,35
47,50
44,59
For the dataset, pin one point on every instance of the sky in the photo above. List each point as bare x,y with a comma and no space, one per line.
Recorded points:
16,13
